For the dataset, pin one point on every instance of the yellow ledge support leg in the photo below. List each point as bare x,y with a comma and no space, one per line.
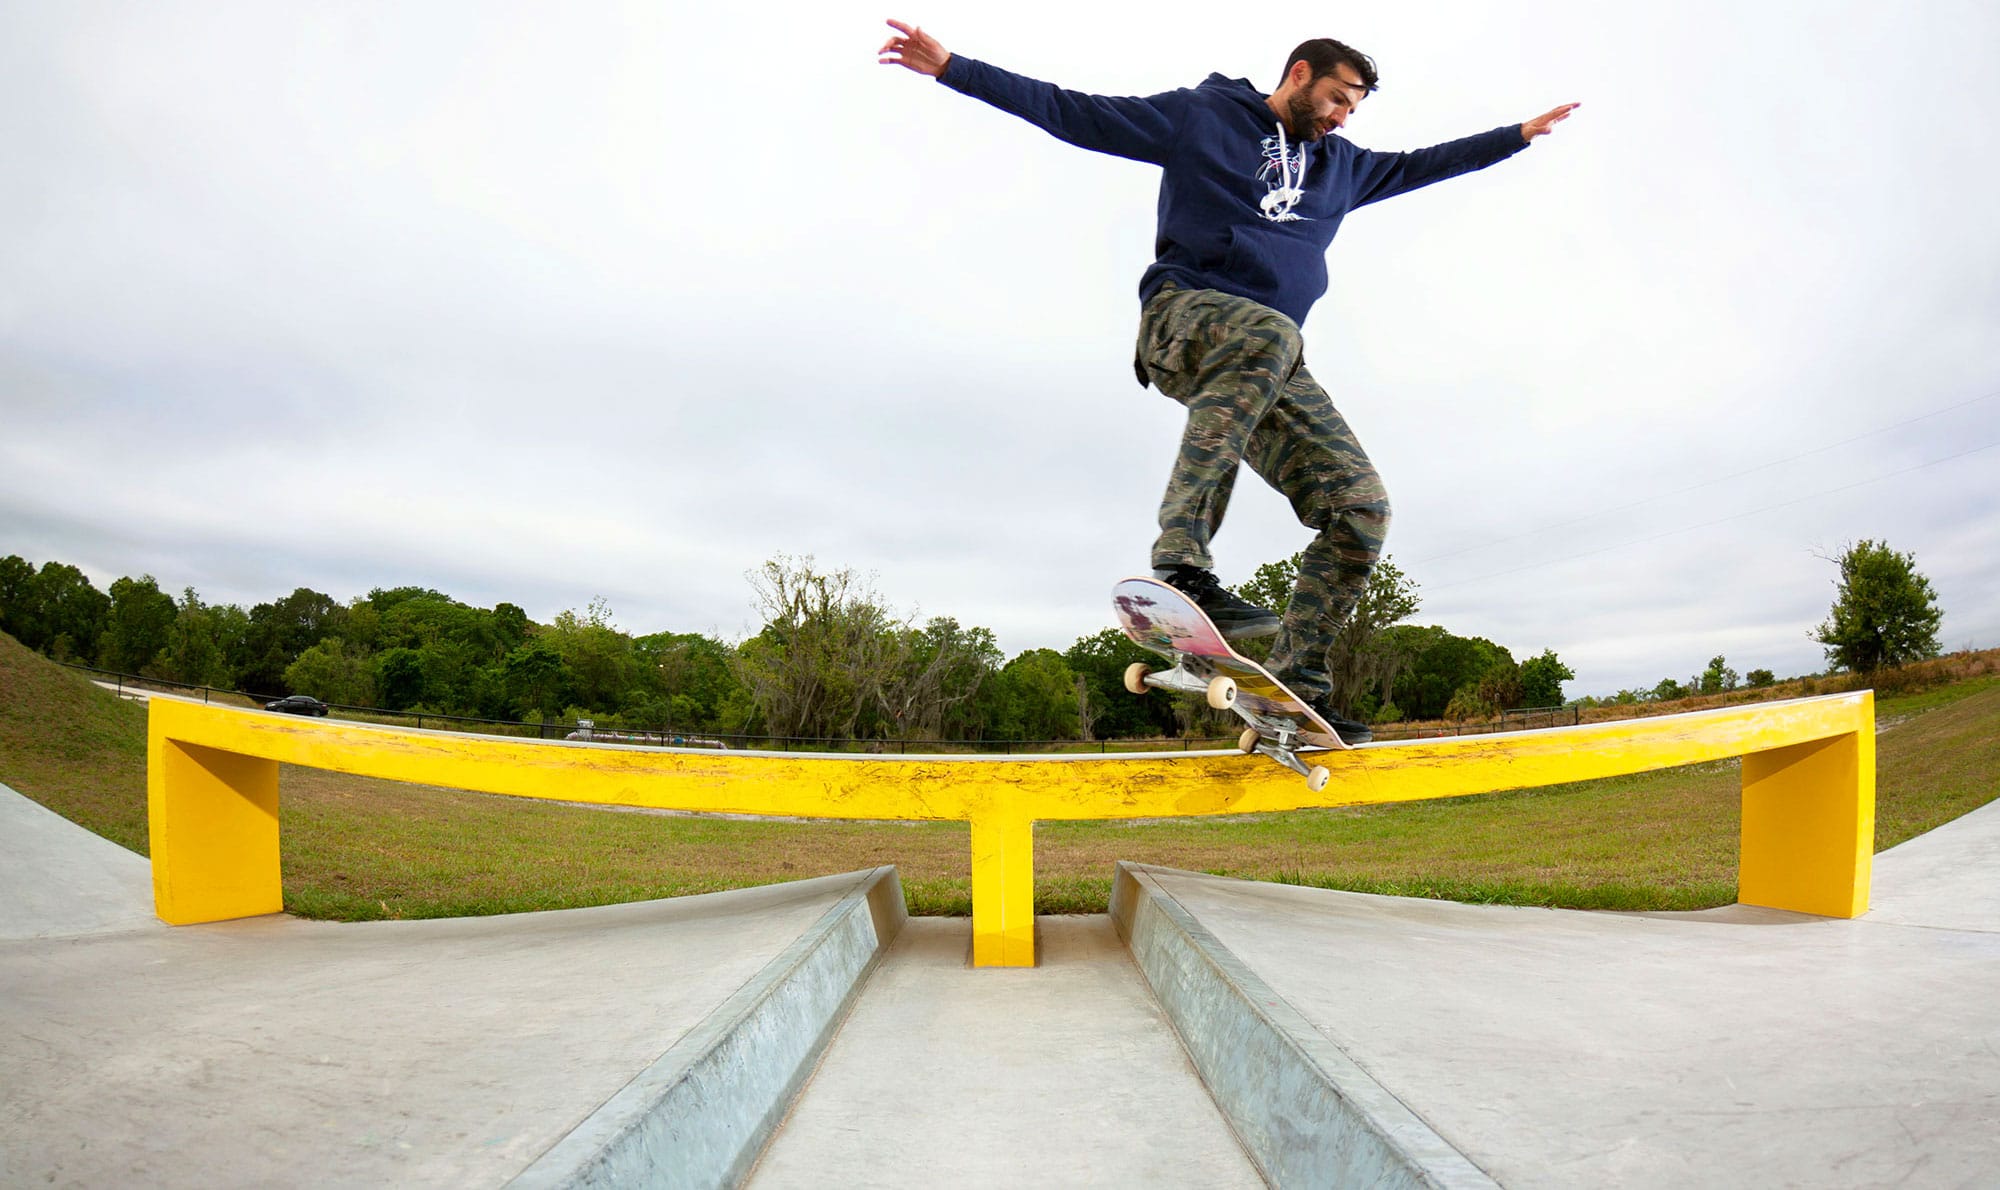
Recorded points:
1003,890
213,825
1809,825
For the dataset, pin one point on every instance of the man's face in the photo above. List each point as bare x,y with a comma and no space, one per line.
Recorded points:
1324,104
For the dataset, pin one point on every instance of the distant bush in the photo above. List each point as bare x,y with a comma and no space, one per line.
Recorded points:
1466,705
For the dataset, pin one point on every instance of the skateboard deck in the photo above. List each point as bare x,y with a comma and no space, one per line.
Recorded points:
1161,619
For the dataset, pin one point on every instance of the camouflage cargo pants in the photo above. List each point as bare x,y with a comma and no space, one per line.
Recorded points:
1239,369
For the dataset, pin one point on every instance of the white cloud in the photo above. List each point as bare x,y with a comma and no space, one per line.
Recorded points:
623,299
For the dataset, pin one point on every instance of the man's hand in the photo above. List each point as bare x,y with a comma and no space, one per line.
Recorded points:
1545,123
915,49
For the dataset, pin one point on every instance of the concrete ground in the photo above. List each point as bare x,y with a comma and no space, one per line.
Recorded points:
276,1051
1736,1047
1066,1074
58,880
1551,1048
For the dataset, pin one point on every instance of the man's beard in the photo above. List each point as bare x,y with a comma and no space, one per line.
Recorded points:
1304,126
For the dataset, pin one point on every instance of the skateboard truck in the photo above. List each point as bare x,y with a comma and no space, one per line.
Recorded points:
1221,691
1286,752
1283,744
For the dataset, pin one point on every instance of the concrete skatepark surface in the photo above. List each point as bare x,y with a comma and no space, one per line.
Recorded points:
1733,1047
1065,1074
274,1051
61,881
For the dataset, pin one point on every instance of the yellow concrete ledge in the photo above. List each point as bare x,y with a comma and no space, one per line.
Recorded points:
1808,793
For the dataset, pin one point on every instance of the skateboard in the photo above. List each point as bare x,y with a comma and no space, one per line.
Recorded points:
1162,619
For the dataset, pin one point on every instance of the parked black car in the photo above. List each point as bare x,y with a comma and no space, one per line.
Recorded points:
297,704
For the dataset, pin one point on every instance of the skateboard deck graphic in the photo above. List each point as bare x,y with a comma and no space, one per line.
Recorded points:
1159,618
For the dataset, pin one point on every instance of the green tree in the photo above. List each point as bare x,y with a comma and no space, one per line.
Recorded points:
196,651
136,630
1033,697
71,613
462,649
690,677
360,624
1542,678
1100,660
384,599
279,632
1668,690
828,649
1441,665
599,668
1718,678
1271,585
1364,657
1467,706
532,676
510,626
334,671
1759,678
939,670
18,614
1500,688
403,679
1884,613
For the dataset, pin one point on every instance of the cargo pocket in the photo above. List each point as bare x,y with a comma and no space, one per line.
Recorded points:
1167,353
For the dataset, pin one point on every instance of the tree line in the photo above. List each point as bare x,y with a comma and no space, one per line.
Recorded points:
832,661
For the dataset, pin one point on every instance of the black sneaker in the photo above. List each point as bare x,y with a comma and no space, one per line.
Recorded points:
1235,617
1349,731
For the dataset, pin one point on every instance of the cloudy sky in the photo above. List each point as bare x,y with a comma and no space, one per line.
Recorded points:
540,302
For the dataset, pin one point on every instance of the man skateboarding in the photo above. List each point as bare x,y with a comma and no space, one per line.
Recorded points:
1253,188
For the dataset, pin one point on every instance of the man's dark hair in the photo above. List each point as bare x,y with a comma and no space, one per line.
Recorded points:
1326,56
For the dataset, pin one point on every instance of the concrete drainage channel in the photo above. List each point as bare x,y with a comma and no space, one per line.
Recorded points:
1307,1115
701,1113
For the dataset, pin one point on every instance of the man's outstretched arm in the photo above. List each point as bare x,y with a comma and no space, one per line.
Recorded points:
1384,175
1138,129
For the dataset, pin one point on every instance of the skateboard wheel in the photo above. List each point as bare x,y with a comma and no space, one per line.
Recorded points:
1249,739
1316,780
1135,677
1222,693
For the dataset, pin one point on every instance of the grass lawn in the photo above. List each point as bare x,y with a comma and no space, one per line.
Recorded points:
355,848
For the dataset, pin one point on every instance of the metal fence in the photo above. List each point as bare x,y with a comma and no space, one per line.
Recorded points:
1522,719
123,682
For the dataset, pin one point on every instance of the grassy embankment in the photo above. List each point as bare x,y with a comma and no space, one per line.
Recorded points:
356,849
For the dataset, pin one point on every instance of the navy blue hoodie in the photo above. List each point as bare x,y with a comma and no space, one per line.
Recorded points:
1243,208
